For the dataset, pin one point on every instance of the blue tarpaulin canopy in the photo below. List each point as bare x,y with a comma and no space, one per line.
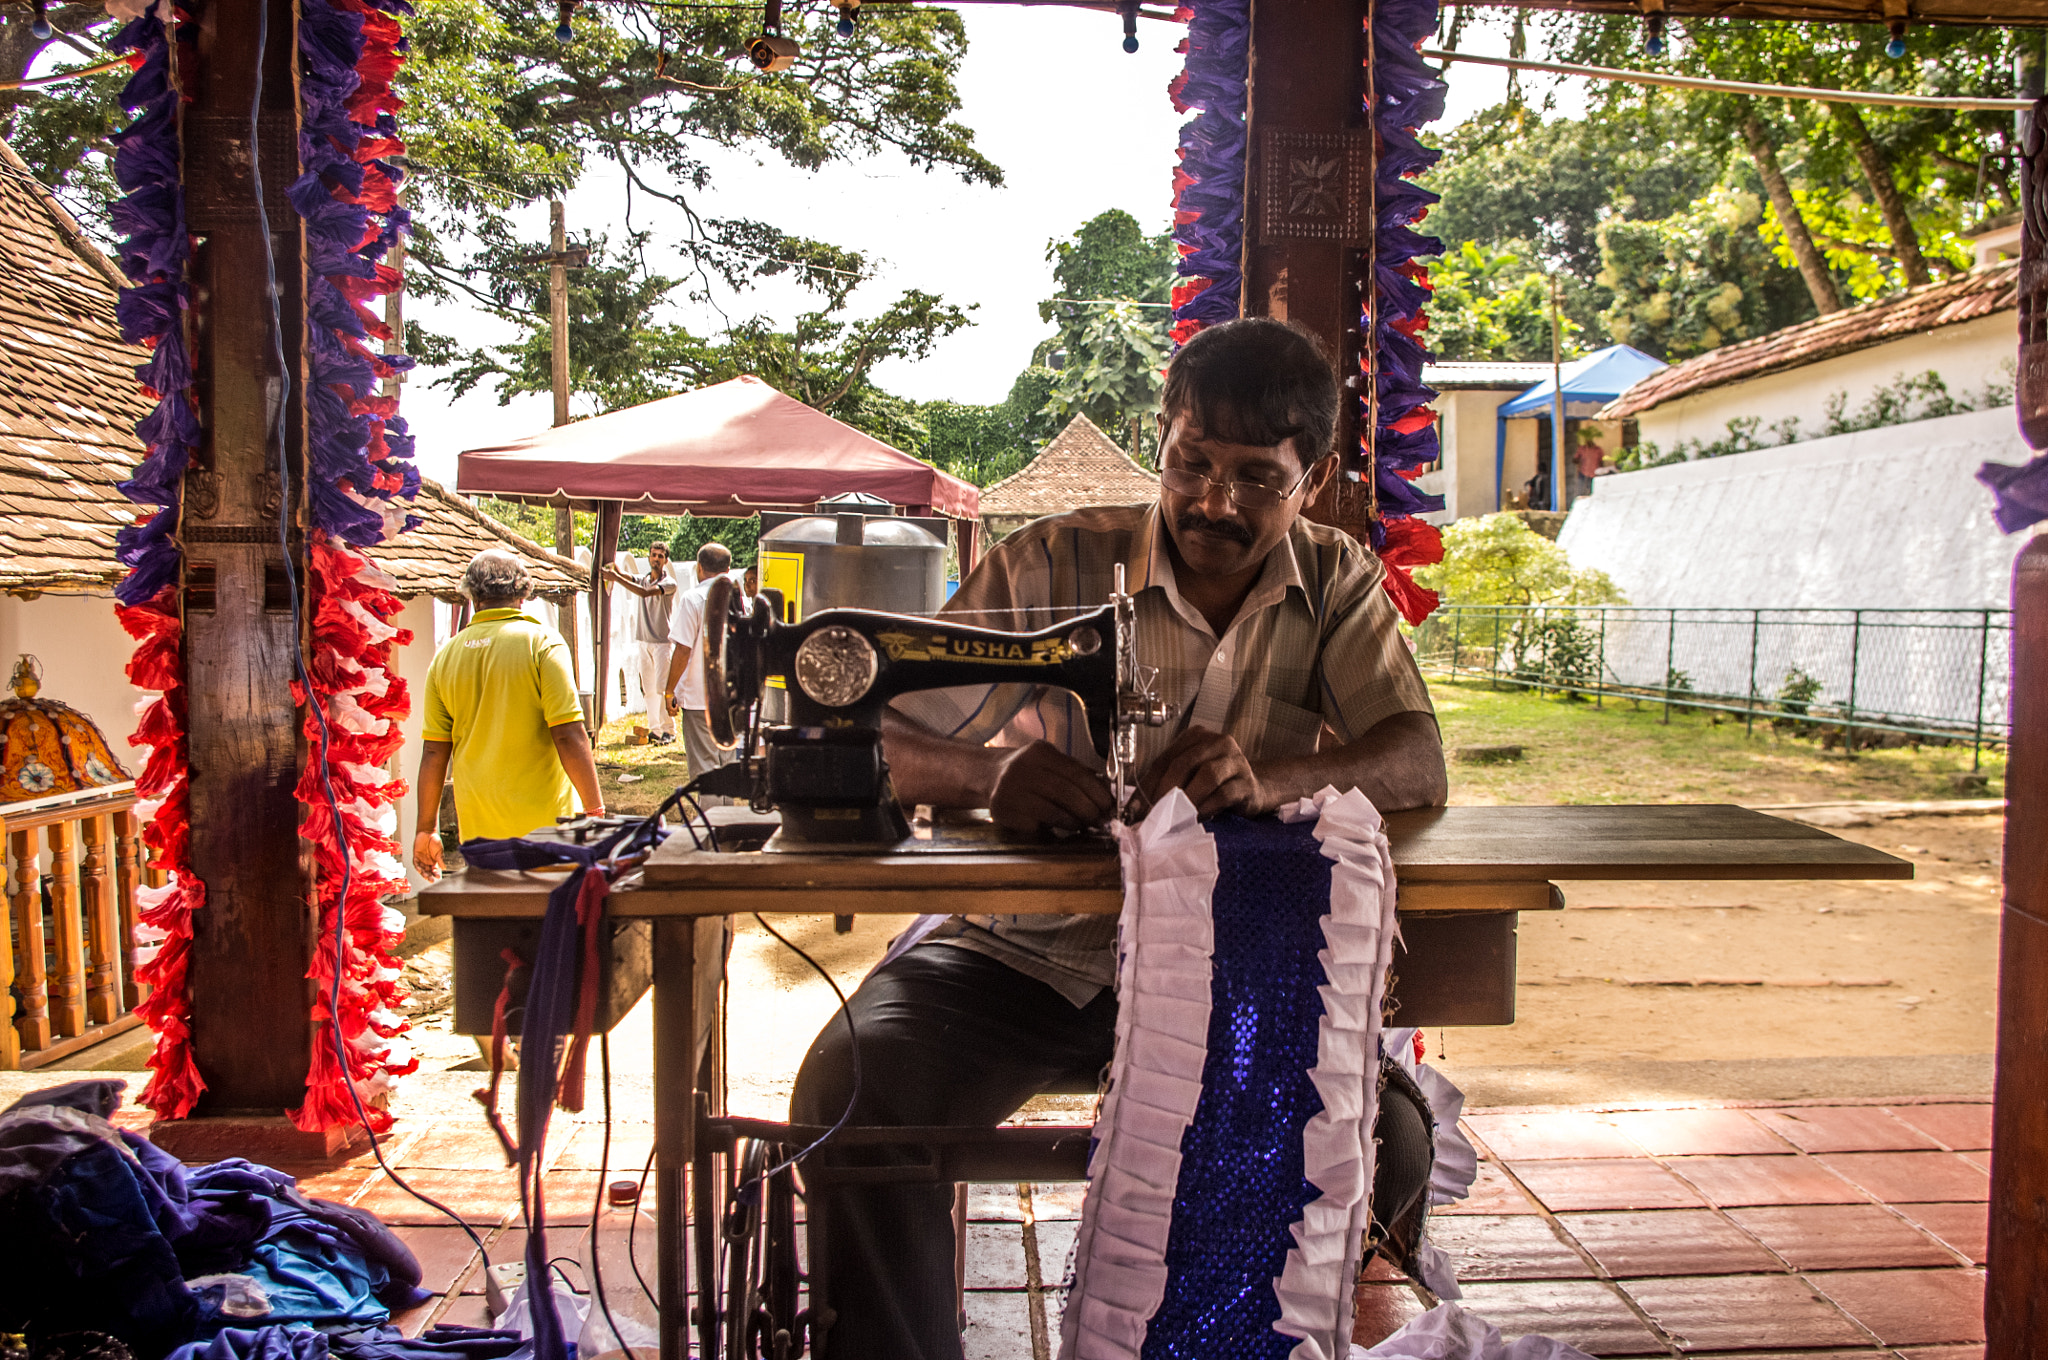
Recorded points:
1589,383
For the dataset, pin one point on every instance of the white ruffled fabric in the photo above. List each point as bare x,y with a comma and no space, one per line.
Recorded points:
1457,1161
1448,1332
1169,866
1359,931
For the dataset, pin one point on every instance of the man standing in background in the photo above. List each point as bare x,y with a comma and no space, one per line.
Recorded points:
685,687
657,592
502,715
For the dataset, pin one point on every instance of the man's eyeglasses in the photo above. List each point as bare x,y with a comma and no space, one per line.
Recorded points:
1242,494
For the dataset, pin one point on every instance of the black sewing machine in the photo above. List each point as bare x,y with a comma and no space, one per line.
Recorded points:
823,768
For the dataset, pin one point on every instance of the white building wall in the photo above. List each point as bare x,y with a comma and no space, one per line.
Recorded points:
84,652
1889,518
1967,356
1469,437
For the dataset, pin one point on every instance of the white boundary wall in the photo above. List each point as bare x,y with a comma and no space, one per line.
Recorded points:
1891,518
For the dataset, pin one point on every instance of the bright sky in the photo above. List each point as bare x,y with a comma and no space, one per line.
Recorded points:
1077,125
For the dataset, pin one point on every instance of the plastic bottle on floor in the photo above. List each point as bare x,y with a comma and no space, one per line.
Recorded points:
623,1232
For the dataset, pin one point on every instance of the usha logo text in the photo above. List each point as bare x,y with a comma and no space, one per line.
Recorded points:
998,651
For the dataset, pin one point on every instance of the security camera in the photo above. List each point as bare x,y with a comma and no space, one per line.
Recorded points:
773,52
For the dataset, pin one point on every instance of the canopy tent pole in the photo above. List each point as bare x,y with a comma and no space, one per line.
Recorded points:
609,514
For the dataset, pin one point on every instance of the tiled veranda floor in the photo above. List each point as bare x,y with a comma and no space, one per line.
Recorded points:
1765,1231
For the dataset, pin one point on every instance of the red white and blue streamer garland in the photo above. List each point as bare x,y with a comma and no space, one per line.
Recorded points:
154,251
1208,182
1405,94
359,474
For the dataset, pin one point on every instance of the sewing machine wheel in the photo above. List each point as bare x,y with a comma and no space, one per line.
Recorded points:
836,666
763,1273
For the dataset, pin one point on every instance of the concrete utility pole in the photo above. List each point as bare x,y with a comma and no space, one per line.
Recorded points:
558,325
1556,402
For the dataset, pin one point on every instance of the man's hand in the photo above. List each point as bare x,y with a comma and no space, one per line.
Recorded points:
1040,786
426,855
1213,771
669,700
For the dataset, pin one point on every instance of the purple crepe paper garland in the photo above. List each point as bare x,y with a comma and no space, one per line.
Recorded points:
153,253
1407,94
1209,208
345,481
2022,492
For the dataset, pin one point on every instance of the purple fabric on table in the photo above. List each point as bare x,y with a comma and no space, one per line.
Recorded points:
2022,492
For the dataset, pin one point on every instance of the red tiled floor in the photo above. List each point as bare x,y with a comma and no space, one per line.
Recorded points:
1974,1352
467,1311
1637,1183
1980,1160
1506,1247
481,1197
1383,1309
509,1245
1912,1176
630,1146
414,1320
444,1254
454,1148
1563,1133
1842,1128
1492,1193
1586,1313
1678,1133
1963,1226
1911,1307
1962,1127
1667,1242
1721,1312
337,1185
1841,1236
1765,1180
569,1196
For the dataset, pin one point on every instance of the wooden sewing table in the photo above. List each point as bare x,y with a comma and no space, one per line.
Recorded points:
1464,875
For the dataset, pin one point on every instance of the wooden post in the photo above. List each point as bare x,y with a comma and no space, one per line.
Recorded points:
1307,141
252,941
31,983
127,878
67,985
10,1039
2016,1289
102,921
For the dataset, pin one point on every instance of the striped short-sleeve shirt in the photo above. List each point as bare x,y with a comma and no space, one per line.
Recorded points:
1313,657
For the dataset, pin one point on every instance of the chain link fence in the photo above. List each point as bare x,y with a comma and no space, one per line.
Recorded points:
1929,674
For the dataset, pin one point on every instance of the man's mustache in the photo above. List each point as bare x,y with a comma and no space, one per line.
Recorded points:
1222,528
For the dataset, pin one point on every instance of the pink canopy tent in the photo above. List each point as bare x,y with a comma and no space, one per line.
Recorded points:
733,449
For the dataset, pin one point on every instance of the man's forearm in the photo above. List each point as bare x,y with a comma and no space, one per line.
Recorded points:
678,662
1398,764
928,768
572,747
433,778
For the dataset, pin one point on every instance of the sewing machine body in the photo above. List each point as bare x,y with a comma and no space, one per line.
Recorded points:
824,768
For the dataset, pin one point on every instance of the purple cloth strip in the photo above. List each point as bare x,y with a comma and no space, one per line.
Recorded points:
2022,492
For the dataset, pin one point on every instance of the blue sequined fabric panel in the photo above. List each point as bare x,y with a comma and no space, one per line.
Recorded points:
1241,1180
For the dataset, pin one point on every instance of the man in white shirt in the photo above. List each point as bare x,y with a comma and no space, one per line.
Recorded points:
685,686
651,621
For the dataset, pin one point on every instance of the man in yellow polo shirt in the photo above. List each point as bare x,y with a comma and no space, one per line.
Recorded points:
501,711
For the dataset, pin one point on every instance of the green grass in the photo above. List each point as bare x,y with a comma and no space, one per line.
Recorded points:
1575,752
1624,752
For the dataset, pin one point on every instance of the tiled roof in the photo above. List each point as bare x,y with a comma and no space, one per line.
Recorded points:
68,396
69,402
1966,297
1081,466
1484,374
429,560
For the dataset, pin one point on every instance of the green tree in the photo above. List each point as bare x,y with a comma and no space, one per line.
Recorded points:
1112,374
1698,279
1113,322
1487,304
1499,560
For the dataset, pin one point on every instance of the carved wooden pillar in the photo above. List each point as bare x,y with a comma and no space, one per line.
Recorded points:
1308,195
10,1040
67,983
31,978
127,878
102,920
252,941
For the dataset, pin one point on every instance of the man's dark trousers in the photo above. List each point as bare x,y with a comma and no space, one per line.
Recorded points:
947,1036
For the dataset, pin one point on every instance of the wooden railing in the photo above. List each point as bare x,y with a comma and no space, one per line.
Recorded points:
67,975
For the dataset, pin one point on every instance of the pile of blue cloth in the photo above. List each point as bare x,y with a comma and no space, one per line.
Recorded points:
101,1231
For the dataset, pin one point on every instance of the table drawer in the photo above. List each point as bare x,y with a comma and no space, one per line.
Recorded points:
1458,969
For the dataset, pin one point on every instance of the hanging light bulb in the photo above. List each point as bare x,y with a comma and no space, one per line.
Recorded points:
1130,12
39,26
564,33
1896,47
849,10
1653,34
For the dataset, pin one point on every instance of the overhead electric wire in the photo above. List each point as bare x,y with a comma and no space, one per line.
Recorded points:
1665,79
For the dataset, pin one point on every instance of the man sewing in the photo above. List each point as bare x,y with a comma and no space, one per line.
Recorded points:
1278,649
